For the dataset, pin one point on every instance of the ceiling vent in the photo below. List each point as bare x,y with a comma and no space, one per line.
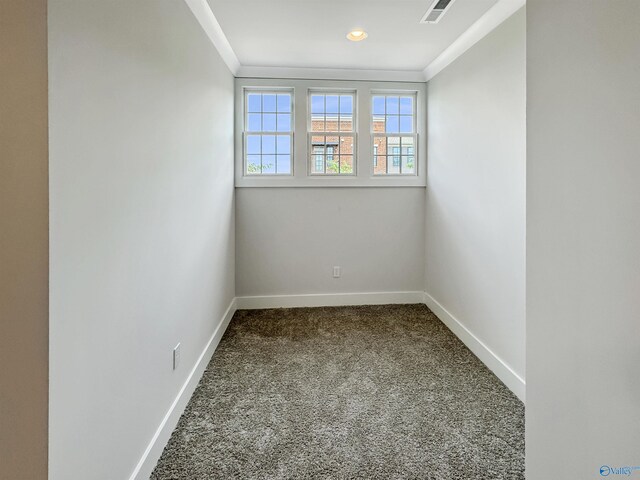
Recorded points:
436,11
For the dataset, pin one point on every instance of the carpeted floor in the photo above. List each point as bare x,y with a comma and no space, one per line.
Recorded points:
376,392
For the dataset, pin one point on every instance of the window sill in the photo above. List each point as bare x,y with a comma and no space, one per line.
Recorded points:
331,182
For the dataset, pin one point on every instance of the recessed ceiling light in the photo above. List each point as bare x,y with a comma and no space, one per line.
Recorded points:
357,35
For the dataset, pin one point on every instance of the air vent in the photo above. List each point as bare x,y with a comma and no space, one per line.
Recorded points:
436,11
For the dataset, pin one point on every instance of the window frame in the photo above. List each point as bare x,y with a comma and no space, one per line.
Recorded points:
339,134
414,134
246,133
363,164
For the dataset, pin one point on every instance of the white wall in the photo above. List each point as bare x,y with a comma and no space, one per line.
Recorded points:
142,222
289,239
583,238
475,202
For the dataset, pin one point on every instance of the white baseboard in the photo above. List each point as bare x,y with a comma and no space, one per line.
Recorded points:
328,300
151,455
499,367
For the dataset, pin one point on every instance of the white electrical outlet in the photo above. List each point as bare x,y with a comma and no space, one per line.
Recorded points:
176,356
336,272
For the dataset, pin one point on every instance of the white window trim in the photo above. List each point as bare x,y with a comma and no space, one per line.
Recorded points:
413,134
245,133
363,160
352,133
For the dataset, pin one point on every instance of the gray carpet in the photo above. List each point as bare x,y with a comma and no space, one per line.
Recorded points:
376,392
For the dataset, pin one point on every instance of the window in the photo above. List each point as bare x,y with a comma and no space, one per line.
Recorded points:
273,117
332,133
268,132
393,127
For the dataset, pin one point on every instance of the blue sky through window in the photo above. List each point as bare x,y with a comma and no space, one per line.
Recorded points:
331,105
396,111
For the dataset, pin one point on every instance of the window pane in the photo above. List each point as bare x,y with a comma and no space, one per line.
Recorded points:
379,124
346,164
406,105
333,142
393,106
393,145
284,103
268,164
330,151
332,104
268,103
393,124
253,164
268,145
317,103
331,124
380,145
254,122
283,144
408,155
269,122
346,123
408,165
283,165
378,106
317,165
317,123
346,146
253,144
332,164
406,124
254,102
380,165
346,104
284,122
380,148
407,145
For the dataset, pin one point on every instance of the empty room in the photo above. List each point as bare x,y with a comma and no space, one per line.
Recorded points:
350,239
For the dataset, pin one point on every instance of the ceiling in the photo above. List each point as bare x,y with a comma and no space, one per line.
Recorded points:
311,34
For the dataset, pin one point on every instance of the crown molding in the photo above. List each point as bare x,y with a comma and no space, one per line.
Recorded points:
330,74
202,11
476,32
